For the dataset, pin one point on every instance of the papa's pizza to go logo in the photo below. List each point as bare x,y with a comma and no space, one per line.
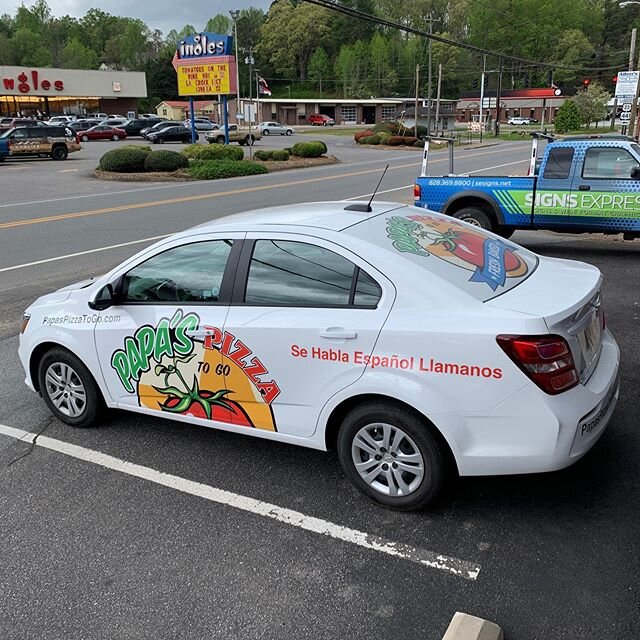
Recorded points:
217,379
491,260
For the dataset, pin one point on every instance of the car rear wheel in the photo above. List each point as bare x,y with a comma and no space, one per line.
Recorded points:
68,388
115,137
59,153
249,140
474,216
85,138
391,457
265,132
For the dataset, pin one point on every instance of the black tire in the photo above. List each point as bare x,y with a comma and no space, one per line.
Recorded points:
433,480
59,153
476,217
85,138
265,132
249,140
115,137
505,232
288,133
94,402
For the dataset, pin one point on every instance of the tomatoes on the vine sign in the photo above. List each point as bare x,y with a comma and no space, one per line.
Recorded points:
205,65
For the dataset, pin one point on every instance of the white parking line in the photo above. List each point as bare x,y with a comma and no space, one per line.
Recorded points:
460,568
83,253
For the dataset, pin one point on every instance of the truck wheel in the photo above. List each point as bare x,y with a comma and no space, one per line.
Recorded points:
476,217
59,153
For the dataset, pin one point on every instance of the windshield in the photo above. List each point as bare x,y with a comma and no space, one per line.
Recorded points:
470,258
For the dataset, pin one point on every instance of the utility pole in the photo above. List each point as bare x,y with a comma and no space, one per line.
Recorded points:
415,108
429,82
632,56
234,16
438,98
634,104
249,60
497,126
484,66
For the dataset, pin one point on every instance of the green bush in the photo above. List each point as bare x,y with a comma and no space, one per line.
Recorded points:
384,138
324,146
375,139
215,169
410,131
419,143
280,155
289,150
213,152
312,149
123,160
386,127
141,147
261,154
165,161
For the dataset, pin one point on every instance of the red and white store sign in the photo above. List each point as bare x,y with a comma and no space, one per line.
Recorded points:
31,83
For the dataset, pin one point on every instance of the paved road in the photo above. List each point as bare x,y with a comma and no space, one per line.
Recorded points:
92,552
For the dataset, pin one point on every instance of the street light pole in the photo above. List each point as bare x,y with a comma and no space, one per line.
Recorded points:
235,13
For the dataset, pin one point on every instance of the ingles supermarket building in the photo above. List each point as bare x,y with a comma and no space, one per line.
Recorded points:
29,91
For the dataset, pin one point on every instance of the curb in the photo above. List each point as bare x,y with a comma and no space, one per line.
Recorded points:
466,627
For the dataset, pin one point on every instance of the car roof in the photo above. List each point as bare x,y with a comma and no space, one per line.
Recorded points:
329,216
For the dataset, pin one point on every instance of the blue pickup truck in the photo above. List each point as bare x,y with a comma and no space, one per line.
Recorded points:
587,183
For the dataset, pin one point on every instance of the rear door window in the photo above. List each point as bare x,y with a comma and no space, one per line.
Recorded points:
558,165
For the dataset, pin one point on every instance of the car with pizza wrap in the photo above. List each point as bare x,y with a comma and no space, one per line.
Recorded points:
579,184
417,345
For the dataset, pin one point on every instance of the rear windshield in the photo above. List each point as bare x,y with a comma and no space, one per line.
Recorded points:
468,257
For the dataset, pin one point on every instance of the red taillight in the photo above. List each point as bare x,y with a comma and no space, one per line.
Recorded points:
547,360
416,191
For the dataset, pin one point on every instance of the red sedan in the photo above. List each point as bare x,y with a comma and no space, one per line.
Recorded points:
102,132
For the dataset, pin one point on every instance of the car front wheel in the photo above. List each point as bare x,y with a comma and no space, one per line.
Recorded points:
289,132
265,132
115,137
68,388
85,138
390,455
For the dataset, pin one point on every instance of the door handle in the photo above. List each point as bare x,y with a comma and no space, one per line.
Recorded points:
584,187
338,333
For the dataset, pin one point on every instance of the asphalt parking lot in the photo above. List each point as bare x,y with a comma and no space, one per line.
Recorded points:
208,534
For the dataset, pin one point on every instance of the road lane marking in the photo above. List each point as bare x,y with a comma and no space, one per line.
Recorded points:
67,170
423,557
204,196
84,253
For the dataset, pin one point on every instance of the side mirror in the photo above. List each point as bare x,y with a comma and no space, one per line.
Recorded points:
635,173
104,299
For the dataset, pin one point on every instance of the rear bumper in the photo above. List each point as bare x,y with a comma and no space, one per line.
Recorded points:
533,432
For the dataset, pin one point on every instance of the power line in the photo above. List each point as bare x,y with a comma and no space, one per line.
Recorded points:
355,13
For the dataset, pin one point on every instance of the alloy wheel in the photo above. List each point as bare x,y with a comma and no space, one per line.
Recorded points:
65,389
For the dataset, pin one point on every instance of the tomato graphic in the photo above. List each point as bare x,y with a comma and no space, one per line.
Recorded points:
469,246
221,410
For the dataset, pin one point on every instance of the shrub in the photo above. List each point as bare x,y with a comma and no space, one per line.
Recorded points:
362,134
213,152
312,149
165,161
419,143
280,155
123,160
289,150
410,131
395,141
141,147
374,139
215,169
386,127
261,154
324,146
384,138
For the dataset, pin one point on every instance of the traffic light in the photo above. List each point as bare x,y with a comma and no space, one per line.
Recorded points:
614,79
526,82
585,83
476,83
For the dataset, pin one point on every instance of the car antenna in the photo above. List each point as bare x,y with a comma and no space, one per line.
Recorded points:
366,208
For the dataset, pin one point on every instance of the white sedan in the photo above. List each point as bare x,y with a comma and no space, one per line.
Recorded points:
273,129
416,345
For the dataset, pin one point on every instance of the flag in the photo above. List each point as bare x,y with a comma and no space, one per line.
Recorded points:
263,87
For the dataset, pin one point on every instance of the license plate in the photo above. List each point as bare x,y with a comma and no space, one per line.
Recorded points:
590,338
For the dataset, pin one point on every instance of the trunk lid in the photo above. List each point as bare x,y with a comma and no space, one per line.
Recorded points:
566,294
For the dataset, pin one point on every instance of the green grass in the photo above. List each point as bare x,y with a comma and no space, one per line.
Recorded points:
331,131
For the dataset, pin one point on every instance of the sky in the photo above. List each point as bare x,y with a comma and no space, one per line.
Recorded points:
159,14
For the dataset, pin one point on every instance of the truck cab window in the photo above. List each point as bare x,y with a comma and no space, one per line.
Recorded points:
558,164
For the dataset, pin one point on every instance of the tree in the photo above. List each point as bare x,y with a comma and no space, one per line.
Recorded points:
592,104
567,118
291,33
30,51
219,24
76,56
318,67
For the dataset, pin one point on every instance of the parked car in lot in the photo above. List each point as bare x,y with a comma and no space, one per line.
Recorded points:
236,134
114,122
58,120
56,142
10,123
163,124
378,330
321,119
272,128
202,124
102,132
518,121
135,126
177,133
83,125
